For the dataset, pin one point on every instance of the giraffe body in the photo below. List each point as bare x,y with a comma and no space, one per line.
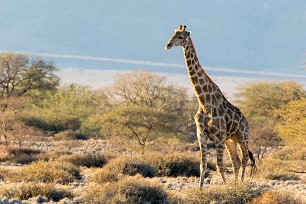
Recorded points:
216,118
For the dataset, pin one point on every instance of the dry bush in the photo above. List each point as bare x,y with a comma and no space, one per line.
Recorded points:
291,153
88,160
4,156
46,156
129,190
263,137
123,166
4,174
51,171
228,193
176,165
284,164
23,159
25,191
69,135
16,150
16,154
274,197
272,169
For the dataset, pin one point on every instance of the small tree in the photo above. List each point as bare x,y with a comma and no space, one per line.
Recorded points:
142,123
146,108
19,74
292,123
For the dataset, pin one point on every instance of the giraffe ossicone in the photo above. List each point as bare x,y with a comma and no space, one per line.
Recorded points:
216,119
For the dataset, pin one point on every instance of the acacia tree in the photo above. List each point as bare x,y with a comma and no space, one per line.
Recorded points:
146,108
19,74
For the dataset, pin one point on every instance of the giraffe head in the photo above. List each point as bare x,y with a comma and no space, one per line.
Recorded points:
179,37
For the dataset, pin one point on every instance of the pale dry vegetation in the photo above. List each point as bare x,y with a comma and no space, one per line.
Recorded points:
146,126
228,193
24,191
276,197
128,190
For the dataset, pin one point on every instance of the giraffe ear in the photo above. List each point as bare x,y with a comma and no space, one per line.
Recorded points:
188,33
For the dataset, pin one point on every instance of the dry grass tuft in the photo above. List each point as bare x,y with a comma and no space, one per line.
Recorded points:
25,191
273,197
120,167
176,165
52,155
16,154
229,193
88,160
48,172
129,190
17,150
4,174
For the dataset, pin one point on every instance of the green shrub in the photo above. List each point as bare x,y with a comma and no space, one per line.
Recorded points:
28,190
50,122
129,190
228,193
273,197
88,160
51,171
123,166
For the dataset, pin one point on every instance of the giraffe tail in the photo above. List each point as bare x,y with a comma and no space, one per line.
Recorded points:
253,164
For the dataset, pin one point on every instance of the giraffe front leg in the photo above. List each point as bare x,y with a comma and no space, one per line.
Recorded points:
202,139
203,163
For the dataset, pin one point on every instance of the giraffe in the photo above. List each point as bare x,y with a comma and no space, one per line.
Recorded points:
216,119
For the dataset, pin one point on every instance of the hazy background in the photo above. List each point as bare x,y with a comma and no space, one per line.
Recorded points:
238,40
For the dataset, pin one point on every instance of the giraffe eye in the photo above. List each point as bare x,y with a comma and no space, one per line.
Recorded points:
180,37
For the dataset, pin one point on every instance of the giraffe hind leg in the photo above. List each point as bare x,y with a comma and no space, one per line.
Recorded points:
245,157
231,147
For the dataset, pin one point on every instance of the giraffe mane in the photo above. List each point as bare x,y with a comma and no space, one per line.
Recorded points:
196,57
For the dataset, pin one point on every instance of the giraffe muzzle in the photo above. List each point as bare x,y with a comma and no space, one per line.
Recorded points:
168,46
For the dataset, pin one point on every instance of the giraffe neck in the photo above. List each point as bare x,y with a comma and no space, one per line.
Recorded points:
202,84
